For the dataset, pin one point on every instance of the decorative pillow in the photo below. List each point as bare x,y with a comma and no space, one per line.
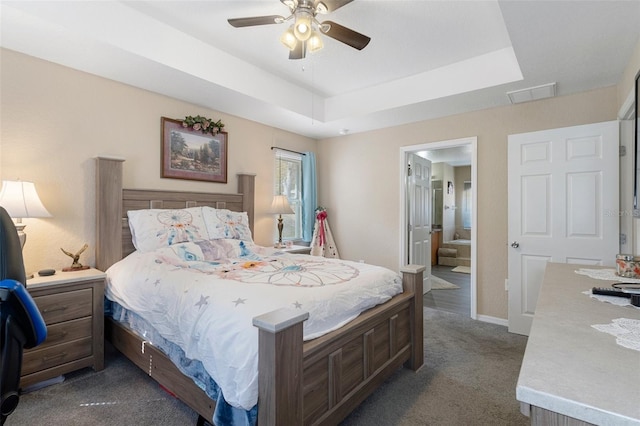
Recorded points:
222,250
223,223
156,228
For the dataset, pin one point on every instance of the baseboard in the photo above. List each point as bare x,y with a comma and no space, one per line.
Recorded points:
493,320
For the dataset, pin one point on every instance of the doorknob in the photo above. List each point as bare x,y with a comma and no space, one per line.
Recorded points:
515,244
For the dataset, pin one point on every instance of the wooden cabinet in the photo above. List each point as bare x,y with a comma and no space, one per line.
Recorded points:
71,304
435,245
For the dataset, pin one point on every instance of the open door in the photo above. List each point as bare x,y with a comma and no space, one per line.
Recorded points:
419,215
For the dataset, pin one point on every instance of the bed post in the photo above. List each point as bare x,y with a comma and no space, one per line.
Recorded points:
108,211
412,282
280,367
246,187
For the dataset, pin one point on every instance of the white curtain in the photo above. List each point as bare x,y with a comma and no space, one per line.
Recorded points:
322,243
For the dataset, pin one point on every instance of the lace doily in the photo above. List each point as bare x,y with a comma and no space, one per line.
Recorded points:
606,274
627,332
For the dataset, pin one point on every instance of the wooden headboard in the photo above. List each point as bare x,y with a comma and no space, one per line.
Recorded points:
113,237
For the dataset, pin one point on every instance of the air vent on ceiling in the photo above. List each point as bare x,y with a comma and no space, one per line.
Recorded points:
532,93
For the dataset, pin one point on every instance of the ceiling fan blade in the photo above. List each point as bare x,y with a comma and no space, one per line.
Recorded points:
346,35
331,5
300,50
255,20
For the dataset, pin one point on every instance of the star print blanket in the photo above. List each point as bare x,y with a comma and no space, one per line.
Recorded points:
202,296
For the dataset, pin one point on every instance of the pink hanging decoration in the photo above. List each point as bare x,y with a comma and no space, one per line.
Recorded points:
321,237
322,243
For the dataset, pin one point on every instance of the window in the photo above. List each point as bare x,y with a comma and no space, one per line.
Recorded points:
288,181
466,205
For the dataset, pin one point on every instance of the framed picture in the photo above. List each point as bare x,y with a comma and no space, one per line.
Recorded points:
192,154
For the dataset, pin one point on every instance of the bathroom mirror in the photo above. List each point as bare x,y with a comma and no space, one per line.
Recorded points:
436,204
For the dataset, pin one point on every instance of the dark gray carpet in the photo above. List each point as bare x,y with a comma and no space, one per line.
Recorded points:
121,394
469,378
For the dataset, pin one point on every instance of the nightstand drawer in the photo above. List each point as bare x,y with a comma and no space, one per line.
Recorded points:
41,359
65,306
65,332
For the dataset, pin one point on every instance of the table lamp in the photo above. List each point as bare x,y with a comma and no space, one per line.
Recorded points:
280,205
20,200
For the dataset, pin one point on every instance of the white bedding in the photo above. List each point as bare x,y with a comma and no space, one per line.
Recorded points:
203,296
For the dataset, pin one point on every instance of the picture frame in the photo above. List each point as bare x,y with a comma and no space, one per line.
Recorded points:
192,154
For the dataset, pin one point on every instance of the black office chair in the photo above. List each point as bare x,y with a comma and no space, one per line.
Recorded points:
21,324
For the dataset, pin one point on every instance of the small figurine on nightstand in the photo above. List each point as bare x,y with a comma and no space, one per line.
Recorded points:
75,266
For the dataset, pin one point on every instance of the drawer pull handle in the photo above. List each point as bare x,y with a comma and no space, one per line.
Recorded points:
49,358
57,308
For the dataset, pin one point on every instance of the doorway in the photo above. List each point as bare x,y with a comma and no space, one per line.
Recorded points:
454,196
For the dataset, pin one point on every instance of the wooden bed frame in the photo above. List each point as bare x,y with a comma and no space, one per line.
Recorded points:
316,382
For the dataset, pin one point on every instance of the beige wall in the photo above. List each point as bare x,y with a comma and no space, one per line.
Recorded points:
359,178
55,120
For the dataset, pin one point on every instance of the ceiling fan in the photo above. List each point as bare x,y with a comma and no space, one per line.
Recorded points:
304,34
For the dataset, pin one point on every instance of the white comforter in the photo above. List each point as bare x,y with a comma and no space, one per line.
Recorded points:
203,296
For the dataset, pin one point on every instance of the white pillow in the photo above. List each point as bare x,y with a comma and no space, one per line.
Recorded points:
156,228
223,223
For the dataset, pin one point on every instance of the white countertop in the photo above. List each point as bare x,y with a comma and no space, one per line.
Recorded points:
570,367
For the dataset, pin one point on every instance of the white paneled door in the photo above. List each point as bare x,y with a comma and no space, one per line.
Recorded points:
563,207
419,194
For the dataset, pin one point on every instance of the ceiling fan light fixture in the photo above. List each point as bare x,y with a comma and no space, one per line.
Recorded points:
302,27
288,39
315,42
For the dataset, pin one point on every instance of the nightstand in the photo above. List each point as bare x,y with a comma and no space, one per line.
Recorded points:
72,305
297,249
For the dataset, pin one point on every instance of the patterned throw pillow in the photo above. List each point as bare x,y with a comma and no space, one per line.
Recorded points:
223,223
156,228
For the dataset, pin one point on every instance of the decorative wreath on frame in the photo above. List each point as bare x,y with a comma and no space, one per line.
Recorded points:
204,124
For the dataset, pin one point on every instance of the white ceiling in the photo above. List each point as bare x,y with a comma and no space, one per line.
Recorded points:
426,59
454,156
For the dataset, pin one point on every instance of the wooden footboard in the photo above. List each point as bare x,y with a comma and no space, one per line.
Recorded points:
338,370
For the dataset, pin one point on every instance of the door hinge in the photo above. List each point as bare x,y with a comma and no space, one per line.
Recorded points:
623,150
408,169
623,239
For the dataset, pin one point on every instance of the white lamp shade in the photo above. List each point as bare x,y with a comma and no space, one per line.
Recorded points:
20,200
280,205
315,42
289,39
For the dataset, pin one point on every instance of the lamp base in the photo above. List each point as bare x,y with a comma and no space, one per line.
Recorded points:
280,226
21,235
